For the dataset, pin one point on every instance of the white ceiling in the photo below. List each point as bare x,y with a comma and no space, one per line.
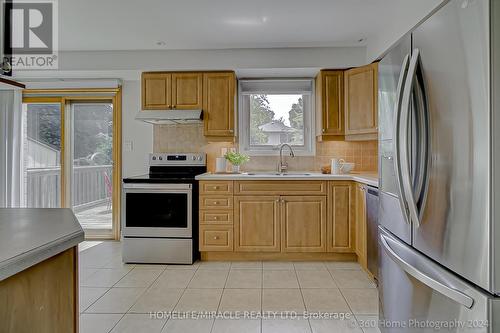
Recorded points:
222,24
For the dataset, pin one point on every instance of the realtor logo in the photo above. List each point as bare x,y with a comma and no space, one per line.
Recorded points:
30,33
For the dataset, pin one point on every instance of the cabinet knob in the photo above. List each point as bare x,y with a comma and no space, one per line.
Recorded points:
323,130
215,217
174,106
277,200
216,202
216,187
216,237
231,131
168,106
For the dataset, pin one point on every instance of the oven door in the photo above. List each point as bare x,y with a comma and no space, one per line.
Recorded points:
157,210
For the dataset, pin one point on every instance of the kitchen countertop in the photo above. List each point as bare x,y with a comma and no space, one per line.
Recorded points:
30,235
365,178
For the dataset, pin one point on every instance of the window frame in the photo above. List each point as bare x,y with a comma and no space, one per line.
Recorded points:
309,147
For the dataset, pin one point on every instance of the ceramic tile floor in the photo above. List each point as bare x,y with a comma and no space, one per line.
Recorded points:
116,297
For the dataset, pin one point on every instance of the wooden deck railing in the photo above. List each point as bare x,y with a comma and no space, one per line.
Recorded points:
89,186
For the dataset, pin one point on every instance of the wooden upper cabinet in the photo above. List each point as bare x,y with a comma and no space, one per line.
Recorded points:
187,91
361,111
256,224
218,103
156,91
340,226
330,104
303,223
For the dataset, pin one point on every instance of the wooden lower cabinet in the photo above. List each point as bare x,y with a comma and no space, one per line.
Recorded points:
329,222
340,231
361,225
303,223
256,224
42,298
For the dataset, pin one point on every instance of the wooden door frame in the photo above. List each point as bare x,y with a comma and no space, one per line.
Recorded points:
63,96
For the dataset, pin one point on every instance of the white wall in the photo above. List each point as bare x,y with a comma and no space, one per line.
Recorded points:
328,57
407,14
127,66
138,133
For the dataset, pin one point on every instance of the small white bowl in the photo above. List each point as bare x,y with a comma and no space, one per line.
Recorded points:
347,167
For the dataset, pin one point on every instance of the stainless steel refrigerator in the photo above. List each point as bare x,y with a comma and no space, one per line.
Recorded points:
439,166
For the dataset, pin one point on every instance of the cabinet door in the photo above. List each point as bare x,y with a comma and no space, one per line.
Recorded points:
361,100
361,224
256,224
303,224
330,99
340,227
187,91
218,103
156,88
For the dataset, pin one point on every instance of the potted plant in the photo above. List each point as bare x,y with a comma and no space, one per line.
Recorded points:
236,159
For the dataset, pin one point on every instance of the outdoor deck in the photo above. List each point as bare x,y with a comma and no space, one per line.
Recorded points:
95,218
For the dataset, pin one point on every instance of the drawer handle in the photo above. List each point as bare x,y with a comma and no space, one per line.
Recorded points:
216,237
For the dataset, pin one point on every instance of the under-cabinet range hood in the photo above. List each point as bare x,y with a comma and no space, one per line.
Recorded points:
169,117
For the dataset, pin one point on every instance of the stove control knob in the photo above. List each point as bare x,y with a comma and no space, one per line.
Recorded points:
200,158
154,158
160,158
193,158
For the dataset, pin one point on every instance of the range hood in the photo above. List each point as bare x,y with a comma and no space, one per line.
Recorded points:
169,117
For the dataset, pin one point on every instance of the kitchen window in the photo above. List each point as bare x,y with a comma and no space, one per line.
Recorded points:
273,112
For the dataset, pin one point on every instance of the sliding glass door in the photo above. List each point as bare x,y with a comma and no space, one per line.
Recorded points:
92,165
42,152
69,154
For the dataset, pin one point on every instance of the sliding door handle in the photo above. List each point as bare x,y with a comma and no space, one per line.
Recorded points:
425,278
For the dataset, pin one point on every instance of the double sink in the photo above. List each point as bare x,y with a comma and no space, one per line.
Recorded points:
277,174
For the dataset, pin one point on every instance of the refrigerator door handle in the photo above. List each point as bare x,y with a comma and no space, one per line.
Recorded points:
405,160
426,278
397,126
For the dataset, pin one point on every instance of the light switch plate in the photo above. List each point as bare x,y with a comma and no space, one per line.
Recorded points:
128,145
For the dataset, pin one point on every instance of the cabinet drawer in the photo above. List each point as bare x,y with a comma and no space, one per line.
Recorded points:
277,187
215,187
216,217
216,238
216,202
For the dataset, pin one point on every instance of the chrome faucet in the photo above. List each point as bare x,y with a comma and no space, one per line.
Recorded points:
283,166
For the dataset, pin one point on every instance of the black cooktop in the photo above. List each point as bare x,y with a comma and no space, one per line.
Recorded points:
168,174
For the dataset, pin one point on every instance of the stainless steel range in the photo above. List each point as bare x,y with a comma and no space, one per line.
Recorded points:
159,215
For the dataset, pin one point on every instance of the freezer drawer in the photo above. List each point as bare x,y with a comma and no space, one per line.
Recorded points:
418,295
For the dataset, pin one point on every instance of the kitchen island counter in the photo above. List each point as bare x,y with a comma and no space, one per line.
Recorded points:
29,236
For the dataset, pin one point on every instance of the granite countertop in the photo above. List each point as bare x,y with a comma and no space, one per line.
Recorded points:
365,178
31,235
